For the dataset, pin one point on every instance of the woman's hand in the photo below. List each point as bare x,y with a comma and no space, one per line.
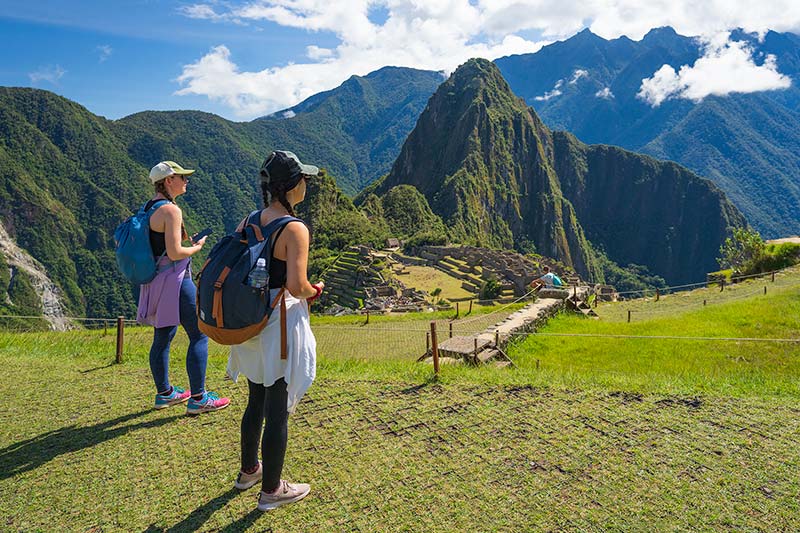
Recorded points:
319,286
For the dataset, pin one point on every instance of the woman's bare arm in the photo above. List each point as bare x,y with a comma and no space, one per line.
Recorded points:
296,240
173,234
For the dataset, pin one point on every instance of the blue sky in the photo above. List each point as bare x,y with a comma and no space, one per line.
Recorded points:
245,58
121,57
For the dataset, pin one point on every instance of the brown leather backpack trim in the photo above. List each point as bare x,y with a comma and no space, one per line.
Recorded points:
229,337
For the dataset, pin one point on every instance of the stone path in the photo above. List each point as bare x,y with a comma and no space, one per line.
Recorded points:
488,345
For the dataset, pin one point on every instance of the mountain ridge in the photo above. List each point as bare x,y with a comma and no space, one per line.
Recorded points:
502,178
716,137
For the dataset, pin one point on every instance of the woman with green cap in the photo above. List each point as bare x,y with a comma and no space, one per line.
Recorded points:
169,299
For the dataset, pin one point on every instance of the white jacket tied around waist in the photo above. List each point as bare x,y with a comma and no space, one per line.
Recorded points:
259,358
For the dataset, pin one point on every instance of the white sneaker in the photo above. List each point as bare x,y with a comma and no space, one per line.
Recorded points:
286,493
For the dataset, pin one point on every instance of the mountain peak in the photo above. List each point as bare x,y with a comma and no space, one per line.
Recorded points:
586,35
660,35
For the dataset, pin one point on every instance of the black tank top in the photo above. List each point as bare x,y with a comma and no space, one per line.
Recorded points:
277,267
158,241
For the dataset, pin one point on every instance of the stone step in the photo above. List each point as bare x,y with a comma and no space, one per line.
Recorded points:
487,355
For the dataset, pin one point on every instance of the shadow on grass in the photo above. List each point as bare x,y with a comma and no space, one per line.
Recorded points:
32,453
200,516
95,369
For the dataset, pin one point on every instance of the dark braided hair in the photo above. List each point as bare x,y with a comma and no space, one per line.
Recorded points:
277,191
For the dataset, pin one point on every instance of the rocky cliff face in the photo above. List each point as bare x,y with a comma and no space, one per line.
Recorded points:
645,211
498,177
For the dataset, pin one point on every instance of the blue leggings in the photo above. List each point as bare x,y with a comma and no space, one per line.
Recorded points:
196,355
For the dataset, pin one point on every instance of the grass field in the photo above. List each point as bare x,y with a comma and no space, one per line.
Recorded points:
428,278
584,434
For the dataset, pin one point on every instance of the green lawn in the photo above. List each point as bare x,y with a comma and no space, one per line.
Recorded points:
612,352
428,278
605,434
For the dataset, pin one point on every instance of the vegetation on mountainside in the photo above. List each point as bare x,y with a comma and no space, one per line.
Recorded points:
17,294
747,144
68,177
410,218
499,178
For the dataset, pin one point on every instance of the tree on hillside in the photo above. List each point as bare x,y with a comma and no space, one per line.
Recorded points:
744,248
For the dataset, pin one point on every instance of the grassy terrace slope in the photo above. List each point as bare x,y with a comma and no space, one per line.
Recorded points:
605,435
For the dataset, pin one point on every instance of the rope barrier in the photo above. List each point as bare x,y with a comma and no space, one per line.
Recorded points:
661,337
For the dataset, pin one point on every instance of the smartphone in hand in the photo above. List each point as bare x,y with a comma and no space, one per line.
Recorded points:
201,234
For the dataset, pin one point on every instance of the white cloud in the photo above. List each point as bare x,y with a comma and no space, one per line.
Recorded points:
556,91
315,52
725,67
578,74
49,74
437,35
105,52
605,92
416,33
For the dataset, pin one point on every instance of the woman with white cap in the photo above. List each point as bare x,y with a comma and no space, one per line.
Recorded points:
275,384
169,299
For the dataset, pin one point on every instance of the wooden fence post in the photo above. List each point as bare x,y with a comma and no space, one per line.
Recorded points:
435,348
475,350
470,307
773,276
629,315
120,337
457,310
497,338
722,285
367,322
658,294
765,289
451,329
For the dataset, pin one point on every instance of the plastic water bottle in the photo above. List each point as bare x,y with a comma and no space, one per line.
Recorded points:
258,276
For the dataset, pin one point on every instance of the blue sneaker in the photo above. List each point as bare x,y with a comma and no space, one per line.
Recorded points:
208,403
178,395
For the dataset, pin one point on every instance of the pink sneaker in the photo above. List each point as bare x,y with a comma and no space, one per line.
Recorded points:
286,493
208,403
244,480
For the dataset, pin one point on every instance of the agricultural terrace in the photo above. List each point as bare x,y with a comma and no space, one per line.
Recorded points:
684,418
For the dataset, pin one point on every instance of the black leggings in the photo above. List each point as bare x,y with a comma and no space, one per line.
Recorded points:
266,404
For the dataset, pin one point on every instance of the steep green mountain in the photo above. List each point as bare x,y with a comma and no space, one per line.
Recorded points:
498,177
748,144
356,129
65,183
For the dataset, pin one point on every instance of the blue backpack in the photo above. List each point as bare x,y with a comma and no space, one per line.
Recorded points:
134,253
229,310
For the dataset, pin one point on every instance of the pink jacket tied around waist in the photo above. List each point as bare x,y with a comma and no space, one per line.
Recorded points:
159,300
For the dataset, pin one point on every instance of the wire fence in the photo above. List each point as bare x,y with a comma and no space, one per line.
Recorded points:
406,337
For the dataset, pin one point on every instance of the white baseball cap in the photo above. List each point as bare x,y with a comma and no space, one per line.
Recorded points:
167,168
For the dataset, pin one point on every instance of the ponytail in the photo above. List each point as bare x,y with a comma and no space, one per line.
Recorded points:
161,188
